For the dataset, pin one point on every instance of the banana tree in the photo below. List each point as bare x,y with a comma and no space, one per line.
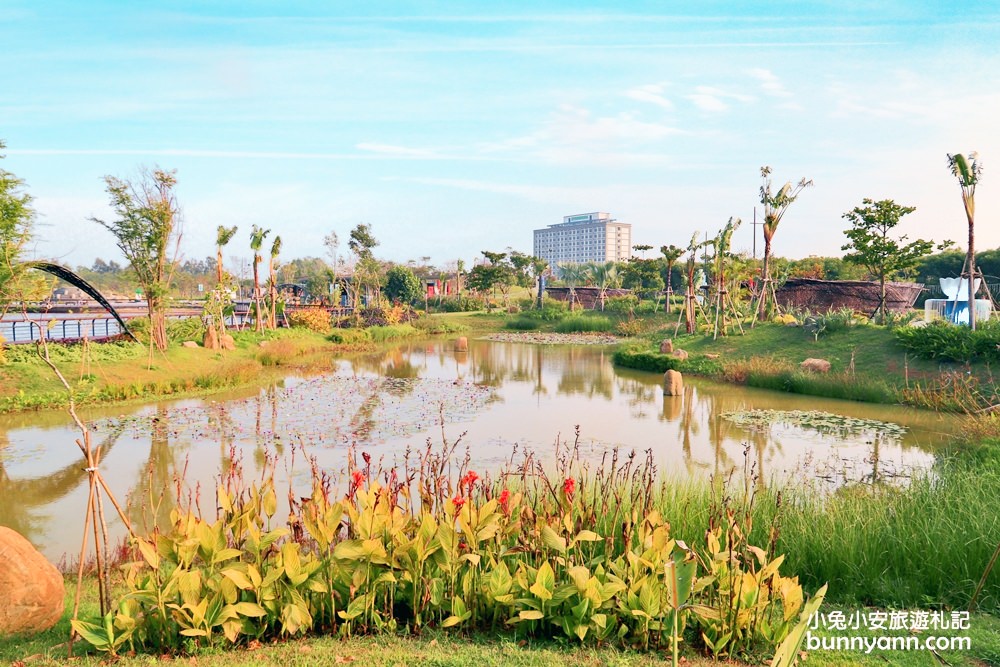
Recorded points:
968,170
775,206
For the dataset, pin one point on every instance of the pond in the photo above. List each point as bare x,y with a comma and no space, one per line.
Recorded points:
496,397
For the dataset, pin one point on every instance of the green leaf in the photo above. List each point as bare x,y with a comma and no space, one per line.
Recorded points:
587,536
553,540
94,634
239,578
545,581
251,609
349,550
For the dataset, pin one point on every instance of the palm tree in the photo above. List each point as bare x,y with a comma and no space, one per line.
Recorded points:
968,170
223,236
257,235
671,254
572,274
722,244
272,284
775,206
604,276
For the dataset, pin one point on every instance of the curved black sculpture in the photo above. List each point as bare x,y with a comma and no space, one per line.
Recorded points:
63,273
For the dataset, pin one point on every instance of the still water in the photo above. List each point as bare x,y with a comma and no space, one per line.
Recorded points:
495,396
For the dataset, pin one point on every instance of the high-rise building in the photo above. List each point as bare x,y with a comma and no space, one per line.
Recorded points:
588,237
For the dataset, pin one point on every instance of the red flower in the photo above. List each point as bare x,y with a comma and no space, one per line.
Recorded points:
469,480
356,478
458,501
505,501
569,486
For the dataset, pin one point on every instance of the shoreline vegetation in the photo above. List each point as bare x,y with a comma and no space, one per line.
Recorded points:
870,544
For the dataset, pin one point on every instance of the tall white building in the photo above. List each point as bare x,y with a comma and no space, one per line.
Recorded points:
588,237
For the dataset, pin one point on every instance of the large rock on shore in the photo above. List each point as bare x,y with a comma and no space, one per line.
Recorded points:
815,365
32,594
673,383
226,342
679,354
667,346
211,339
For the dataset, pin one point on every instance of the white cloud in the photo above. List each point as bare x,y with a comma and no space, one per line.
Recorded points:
652,93
769,82
712,99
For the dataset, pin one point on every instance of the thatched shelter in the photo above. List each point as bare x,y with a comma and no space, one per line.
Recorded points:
588,297
859,295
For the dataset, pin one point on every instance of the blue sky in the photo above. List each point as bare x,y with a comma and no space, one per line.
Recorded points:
457,127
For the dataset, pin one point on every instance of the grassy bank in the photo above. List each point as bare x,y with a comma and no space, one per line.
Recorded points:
125,371
866,364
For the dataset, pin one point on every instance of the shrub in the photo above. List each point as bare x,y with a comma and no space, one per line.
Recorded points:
314,319
622,304
630,328
583,324
642,359
951,342
461,304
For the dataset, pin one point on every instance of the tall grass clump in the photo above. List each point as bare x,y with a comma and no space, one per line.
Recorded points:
381,334
584,324
522,323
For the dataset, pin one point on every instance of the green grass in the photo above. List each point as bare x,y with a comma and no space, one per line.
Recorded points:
866,362
122,371
915,547
447,649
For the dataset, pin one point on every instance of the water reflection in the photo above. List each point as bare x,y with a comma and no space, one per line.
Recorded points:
498,394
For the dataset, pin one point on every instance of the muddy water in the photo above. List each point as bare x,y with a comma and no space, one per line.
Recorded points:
495,397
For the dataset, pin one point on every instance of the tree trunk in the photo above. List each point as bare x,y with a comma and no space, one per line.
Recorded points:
540,282
157,322
258,319
765,279
881,303
972,272
218,265
670,291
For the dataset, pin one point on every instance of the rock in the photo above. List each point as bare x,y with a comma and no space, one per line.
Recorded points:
226,342
211,339
673,383
189,343
815,365
680,355
32,594
711,356
462,344
667,346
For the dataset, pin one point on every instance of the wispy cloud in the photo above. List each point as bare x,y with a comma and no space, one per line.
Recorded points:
769,82
712,99
652,93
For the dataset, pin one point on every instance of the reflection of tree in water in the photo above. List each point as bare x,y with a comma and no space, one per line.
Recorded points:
152,498
23,495
586,373
220,421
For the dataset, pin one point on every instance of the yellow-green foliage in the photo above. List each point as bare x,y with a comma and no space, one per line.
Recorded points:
449,554
314,319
